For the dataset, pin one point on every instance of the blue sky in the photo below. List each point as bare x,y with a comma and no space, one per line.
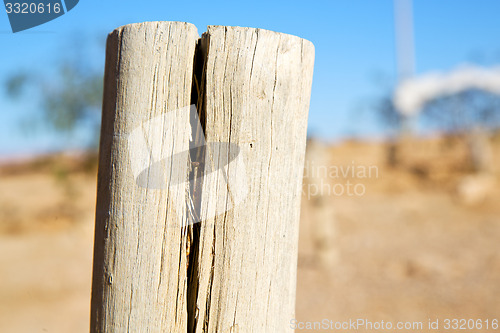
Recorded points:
354,43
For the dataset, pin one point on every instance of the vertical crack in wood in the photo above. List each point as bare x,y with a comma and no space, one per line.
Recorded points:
197,168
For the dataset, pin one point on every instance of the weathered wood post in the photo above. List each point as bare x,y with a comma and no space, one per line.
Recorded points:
155,269
138,282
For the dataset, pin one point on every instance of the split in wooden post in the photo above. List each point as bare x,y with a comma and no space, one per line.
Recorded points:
155,268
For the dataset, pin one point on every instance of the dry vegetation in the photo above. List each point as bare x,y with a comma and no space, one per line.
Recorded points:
412,247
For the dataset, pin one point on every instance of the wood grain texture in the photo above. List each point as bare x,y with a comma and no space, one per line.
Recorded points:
236,270
257,90
139,280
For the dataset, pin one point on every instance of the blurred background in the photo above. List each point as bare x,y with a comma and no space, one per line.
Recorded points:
400,215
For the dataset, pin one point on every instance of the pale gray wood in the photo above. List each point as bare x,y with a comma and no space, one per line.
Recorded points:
242,258
140,271
257,94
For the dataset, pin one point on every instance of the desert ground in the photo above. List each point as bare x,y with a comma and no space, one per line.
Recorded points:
418,240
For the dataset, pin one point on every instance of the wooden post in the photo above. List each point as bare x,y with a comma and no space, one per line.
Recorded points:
139,279
257,96
235,271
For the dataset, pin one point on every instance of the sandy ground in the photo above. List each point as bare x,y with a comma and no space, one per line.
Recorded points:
406,250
